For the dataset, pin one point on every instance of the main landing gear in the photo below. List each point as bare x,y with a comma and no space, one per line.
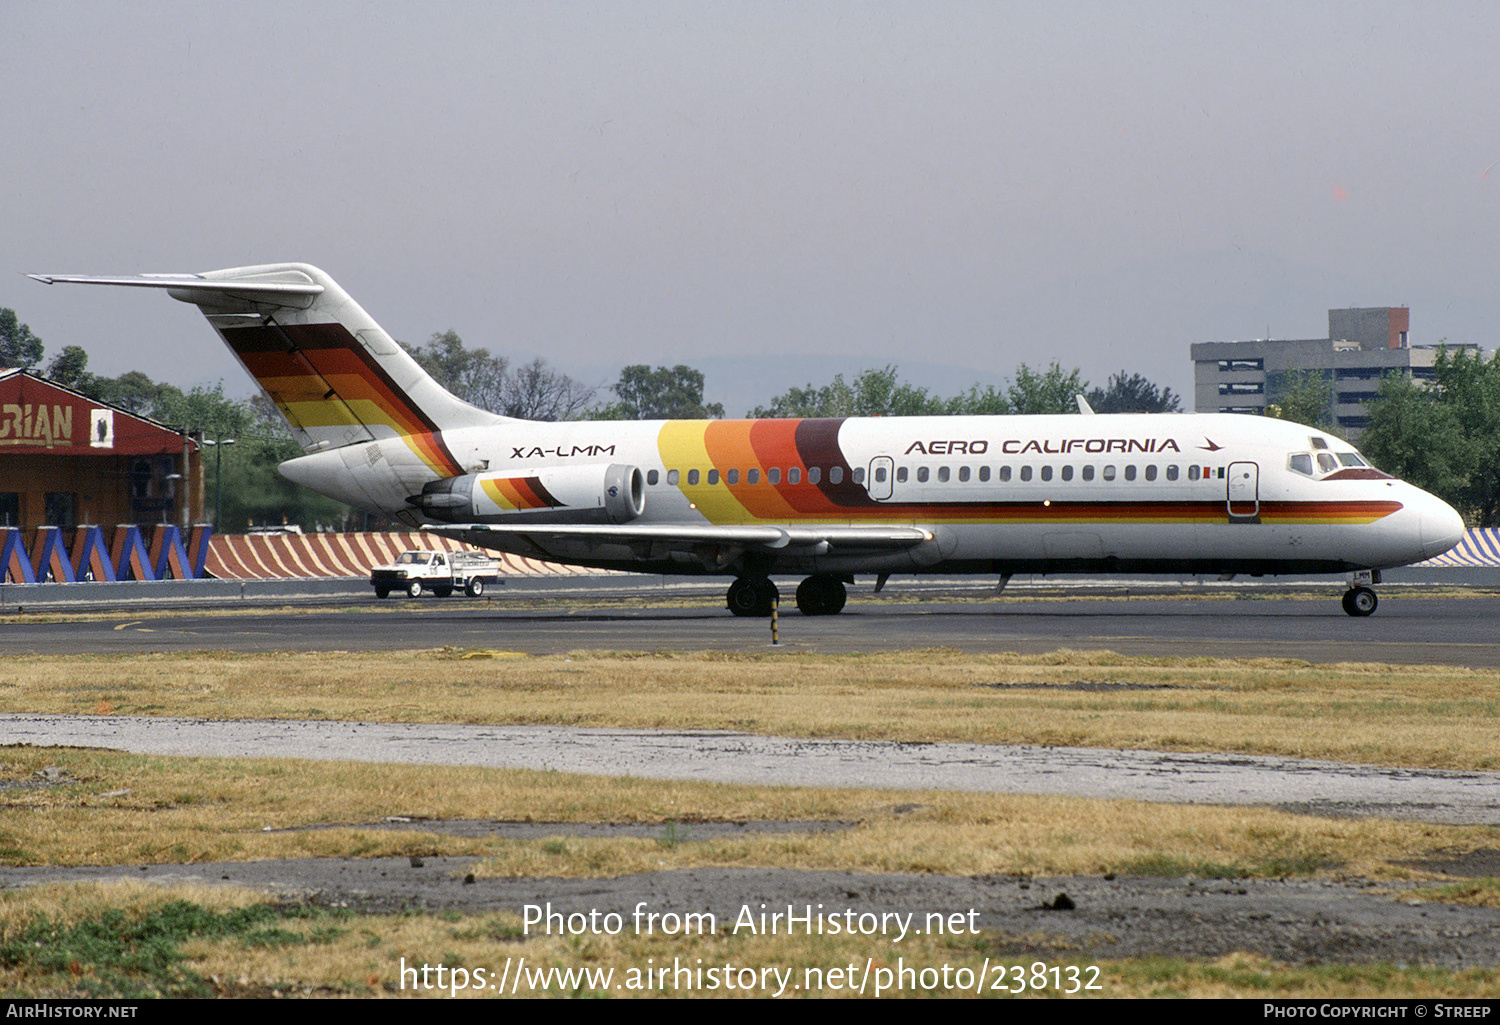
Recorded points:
821,594
1360,599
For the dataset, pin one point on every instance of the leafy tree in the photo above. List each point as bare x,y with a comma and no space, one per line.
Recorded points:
70,367
666,393
1133,394
1445,437
871,393
1302,396
19,348
1413,435
1051,391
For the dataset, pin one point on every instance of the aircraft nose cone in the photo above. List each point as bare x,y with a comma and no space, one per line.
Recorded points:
1442,528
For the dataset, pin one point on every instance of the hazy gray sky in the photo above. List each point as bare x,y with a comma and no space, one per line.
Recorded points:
602,183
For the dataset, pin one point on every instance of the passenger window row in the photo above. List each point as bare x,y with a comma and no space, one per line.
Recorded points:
947,474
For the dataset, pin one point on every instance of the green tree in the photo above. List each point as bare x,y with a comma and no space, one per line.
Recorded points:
19,348
1302,396
1444,437
1051,391
872,393
1133,394
70,368
666,393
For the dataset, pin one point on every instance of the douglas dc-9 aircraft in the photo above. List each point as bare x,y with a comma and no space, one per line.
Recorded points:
820,498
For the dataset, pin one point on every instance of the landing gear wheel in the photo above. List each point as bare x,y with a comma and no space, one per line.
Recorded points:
821,595
414,589
752,596
1360,601
475,588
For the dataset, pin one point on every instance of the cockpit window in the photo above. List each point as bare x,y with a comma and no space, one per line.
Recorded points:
1351,459
1301,462
1326,462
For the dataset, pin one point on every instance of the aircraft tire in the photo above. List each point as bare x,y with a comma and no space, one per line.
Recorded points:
474,588
821,595
752,596
414,589
1360,601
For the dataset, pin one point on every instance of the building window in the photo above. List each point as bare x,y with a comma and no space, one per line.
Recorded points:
1241,364
59,509
1253,388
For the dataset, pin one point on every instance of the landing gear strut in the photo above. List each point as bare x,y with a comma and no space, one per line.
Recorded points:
752,596
822,594
1360,600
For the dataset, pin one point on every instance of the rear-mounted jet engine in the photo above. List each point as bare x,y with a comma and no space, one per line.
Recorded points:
613,493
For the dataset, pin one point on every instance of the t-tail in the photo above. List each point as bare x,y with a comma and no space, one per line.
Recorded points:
336,376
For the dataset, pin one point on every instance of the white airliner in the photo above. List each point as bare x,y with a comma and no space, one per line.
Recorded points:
822,498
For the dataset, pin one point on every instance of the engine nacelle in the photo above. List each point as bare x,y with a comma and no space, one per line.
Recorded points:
613,493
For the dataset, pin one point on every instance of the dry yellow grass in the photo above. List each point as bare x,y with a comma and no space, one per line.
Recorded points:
1419,716
308,952
185,810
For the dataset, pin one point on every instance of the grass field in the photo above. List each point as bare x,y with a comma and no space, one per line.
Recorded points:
113,808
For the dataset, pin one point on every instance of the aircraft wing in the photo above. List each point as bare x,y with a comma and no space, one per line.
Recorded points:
713,545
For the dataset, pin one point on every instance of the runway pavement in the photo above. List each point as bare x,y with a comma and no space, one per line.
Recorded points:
1456,630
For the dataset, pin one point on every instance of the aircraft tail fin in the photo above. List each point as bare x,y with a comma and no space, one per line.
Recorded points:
336,376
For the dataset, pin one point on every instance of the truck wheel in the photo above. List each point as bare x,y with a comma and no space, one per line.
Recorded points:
442,592
414,589
475,588
382,592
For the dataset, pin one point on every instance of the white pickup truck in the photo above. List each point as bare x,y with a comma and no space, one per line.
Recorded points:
442,573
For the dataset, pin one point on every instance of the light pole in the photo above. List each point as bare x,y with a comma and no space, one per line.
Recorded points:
219,478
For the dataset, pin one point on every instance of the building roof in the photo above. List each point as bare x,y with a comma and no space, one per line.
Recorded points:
42,416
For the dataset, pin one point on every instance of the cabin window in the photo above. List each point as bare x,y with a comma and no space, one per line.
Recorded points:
1193,471
900,475
1005,474
713,476
835,475
671,476
1172,472
1046,473
794,475
752,475
1130,472
1151,472
1109,473
1025,473
653,477
1088,473
814,474
859,475
692,476
922,475
773,475
963,474
1067,473
879,474
984,474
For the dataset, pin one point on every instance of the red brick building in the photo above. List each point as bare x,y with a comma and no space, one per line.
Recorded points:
66,460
